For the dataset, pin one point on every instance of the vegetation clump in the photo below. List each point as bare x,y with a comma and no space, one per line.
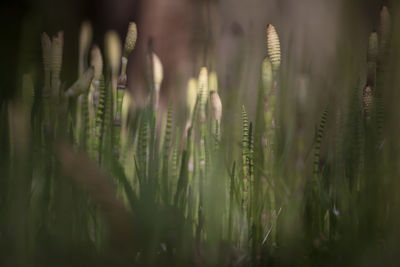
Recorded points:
90,178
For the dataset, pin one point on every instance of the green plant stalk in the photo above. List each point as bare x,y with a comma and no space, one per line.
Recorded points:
202,167
142,151
179,199
193,158
166,150
318,142
269,139
100,119
117,122
217,134
56,63
92,138
174,168
317,188
153,162
245,165
79,123
231,201
187,165
251,197
258,203
245,178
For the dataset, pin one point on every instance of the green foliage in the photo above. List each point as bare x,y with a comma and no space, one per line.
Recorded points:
75,193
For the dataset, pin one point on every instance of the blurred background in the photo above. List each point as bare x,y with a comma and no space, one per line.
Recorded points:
230,30
324,47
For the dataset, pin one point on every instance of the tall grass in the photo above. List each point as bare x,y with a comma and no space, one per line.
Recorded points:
90,178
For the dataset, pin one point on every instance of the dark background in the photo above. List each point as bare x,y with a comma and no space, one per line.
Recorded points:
22,21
